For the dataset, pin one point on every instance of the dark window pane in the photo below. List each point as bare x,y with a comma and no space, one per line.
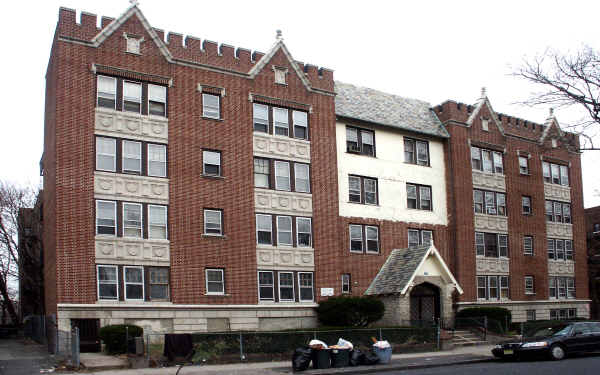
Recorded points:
159,292
108,291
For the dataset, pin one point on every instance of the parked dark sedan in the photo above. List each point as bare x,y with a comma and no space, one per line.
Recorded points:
555,341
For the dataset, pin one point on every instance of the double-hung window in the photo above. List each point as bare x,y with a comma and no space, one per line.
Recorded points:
132,220
157,100
561,287
559,249
418,237
302,178
106,218
106,154
264,229
284,231
133,276
529,285
491,244
280,121
304,232
555,173
215,281
213,224
157,222
159,283
157,160
300,120
107,92
108,283
262,173
282,175
360,141
132,97
261,118
492,287
132,157
266,286
362,190
526,205
486,160
286,286
416,152
211,106
558,212
305,283
418,197
346,285
211,163
489,202
528,245
364,238
523,165
356,238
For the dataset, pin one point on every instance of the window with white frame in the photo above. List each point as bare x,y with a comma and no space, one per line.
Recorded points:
530,315
282,175
107,92
211,163
106,154
489,202
492,287
528,245
529,285
563,314
372,234
286,286
132,157
523,165
213,222
486,160
157,222
418,237
300,124
261,118
159,283
280,121
302,178
106,218
133,276
416,151
491,245
304,231
215,281
157,100
211,106
264,229
108,284
262,173
418,197
561,287
305,282
132,220
368,243
346,286
555,173
560,249
284,231
265,286
132,97
558,212
356,238
157,160
526,205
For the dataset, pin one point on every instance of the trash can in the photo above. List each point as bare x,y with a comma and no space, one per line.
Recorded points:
340,357
321,359
384,354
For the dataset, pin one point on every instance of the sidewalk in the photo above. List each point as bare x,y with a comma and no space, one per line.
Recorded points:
462,355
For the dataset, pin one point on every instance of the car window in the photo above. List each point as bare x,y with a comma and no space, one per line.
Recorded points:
561,332
595,327
556,330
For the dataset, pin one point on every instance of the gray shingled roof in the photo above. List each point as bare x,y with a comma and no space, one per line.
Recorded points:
397,270
370,105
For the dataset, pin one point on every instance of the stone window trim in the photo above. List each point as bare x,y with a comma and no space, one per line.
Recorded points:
424,235
116,98
496,205
529,285
346,283
297,236
369,238
217,229
133,43
119,218
296,121
280,74
127,282
365,195
112,71
220,282
419,198
412,148
278,102
271,177
118,156
360,141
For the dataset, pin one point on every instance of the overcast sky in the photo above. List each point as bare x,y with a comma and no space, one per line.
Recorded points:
429,50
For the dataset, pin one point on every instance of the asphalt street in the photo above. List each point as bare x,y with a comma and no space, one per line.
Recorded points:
580,365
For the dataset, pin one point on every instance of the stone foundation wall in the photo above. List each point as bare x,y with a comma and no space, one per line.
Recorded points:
542,308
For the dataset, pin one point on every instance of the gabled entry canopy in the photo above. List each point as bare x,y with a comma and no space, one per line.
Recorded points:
403,265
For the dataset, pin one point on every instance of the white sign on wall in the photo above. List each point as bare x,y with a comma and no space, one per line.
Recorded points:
326,292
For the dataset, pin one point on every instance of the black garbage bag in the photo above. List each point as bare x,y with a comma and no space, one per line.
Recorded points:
370,358
301,358
356,357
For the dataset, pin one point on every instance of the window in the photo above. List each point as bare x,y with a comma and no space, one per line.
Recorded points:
360,141
529,286
132,157
108,285
486,160
523,165
356,184
530,315
416,152
211,163
134,282
418,237
478,201
300,124
480,243
485,125
107,92
372,239
261,118
356,238
503,287
284,231
157,160
555,173
305,281
563,314
157,100
481,287
304,231
286,286
280,121
568,250
492,287
354,187
489,202
558,212
212,222
215,281
491,244
106,154
302,178
132,220
559,249
561,287
346,286
265,286
262,173
528,245
159,283
282,175
106,218
264,225
418,197
211,106
157,222
526,204
132,97
368,243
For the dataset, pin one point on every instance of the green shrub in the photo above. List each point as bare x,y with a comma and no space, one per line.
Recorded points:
114,336
497,317
350,311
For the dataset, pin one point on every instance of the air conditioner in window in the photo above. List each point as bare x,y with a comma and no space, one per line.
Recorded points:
353,148
491,211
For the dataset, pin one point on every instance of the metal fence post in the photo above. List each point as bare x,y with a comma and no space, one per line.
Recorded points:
148,347
438,335
241,347
522,329
75,346
126,339
485,327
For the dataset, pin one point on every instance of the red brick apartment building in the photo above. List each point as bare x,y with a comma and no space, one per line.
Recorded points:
592,228
192,186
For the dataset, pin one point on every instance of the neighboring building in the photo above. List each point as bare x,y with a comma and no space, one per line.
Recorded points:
31,283
592,228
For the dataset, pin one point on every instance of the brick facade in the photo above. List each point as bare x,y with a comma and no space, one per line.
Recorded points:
592,229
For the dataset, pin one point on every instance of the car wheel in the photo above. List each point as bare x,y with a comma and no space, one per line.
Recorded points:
557,352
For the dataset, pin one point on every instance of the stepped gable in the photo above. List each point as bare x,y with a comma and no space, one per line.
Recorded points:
187,50
362,103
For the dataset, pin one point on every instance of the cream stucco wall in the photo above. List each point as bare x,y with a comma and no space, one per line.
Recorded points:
392,173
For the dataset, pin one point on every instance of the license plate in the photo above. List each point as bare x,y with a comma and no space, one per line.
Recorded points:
508,352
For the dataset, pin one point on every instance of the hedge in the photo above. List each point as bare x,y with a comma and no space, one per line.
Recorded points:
350,311
497,317
114,336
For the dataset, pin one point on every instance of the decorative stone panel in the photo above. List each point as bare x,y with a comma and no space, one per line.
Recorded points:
489,181
118,250
559,230
285,257
270,146
557,192
559,267
492,266
130,187
131,125
283,202
491,223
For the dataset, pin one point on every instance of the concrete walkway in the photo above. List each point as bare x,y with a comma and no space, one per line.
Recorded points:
20,357
469,354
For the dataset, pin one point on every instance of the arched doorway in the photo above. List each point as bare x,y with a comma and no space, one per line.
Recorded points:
425,302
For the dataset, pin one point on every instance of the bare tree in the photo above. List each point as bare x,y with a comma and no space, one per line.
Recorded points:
568,80
12,199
